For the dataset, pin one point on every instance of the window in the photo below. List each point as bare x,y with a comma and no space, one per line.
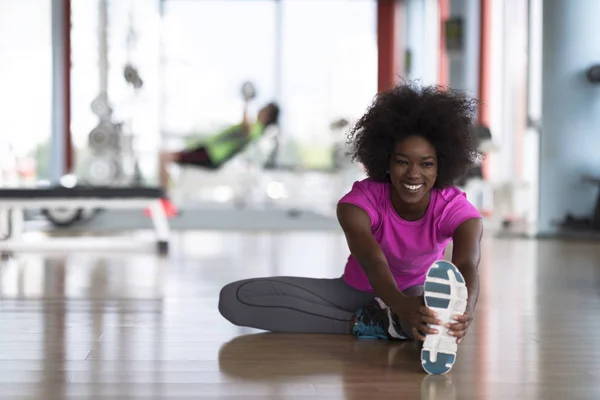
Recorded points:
329,69
26,96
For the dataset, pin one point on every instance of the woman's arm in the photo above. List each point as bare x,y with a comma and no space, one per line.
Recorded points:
466,255
246,123
356,224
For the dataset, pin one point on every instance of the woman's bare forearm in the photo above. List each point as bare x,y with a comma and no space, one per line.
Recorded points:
471,275
378,272
365,249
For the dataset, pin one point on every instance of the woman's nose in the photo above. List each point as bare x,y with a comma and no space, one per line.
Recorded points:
413,170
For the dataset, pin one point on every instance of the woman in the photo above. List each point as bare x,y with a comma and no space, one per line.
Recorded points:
414,144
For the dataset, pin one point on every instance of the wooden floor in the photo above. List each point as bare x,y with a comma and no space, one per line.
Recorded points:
111,325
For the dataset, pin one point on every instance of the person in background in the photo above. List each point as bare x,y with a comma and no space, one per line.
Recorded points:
215,151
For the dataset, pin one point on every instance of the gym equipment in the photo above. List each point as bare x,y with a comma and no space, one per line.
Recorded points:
339,155
63,216
111,164
103,170
248,91
101,108
132,76
104,136
238,180
113,161
591,223
479,191
13,202
593,74
595,219
236,175
252,176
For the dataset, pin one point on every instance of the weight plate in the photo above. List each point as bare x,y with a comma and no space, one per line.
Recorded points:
248,91
102,171
103,137
62,216
100,107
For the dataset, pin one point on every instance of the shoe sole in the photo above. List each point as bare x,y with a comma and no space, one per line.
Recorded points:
446,294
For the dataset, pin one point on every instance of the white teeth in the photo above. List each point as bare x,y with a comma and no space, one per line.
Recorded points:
413,187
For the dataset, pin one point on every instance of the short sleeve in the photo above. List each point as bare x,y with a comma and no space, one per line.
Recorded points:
364,197
457,211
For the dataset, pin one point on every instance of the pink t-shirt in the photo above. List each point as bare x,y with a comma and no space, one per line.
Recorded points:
409,246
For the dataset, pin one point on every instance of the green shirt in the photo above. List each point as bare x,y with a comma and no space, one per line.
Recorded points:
230,141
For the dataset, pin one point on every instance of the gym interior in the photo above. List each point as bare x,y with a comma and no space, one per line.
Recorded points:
106,234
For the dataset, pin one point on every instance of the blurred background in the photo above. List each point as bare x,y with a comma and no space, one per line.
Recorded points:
97,89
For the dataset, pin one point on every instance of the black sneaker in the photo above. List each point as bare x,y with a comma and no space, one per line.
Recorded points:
377,321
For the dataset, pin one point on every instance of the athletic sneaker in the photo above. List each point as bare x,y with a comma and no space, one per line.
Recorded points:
377,321
445,293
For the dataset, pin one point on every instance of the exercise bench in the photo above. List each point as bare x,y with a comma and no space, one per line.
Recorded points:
13,203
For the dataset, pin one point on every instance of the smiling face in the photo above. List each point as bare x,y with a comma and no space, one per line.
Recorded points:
413,171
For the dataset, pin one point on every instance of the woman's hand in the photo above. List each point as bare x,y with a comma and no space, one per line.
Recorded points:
459,328
411,309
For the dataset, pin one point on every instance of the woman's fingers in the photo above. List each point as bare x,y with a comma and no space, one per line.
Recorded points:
423,327
417,335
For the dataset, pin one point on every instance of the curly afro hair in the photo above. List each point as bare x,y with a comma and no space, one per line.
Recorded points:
443,117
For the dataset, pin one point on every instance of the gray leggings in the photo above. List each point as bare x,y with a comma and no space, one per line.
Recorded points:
294,304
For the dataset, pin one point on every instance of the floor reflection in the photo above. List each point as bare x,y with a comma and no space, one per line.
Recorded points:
339,365
82,276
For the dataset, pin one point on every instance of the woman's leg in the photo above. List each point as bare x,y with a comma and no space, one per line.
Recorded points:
292,304
163,162
198,157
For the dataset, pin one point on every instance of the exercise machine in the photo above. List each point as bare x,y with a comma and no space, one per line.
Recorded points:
238,178
112,161
13,203
585,224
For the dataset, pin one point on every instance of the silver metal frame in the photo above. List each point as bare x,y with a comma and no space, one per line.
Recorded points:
16,206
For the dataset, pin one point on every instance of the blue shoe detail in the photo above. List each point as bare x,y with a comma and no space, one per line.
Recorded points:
440,270
365,331
441,365
376,321
435,302
437,288
446,293
368,327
